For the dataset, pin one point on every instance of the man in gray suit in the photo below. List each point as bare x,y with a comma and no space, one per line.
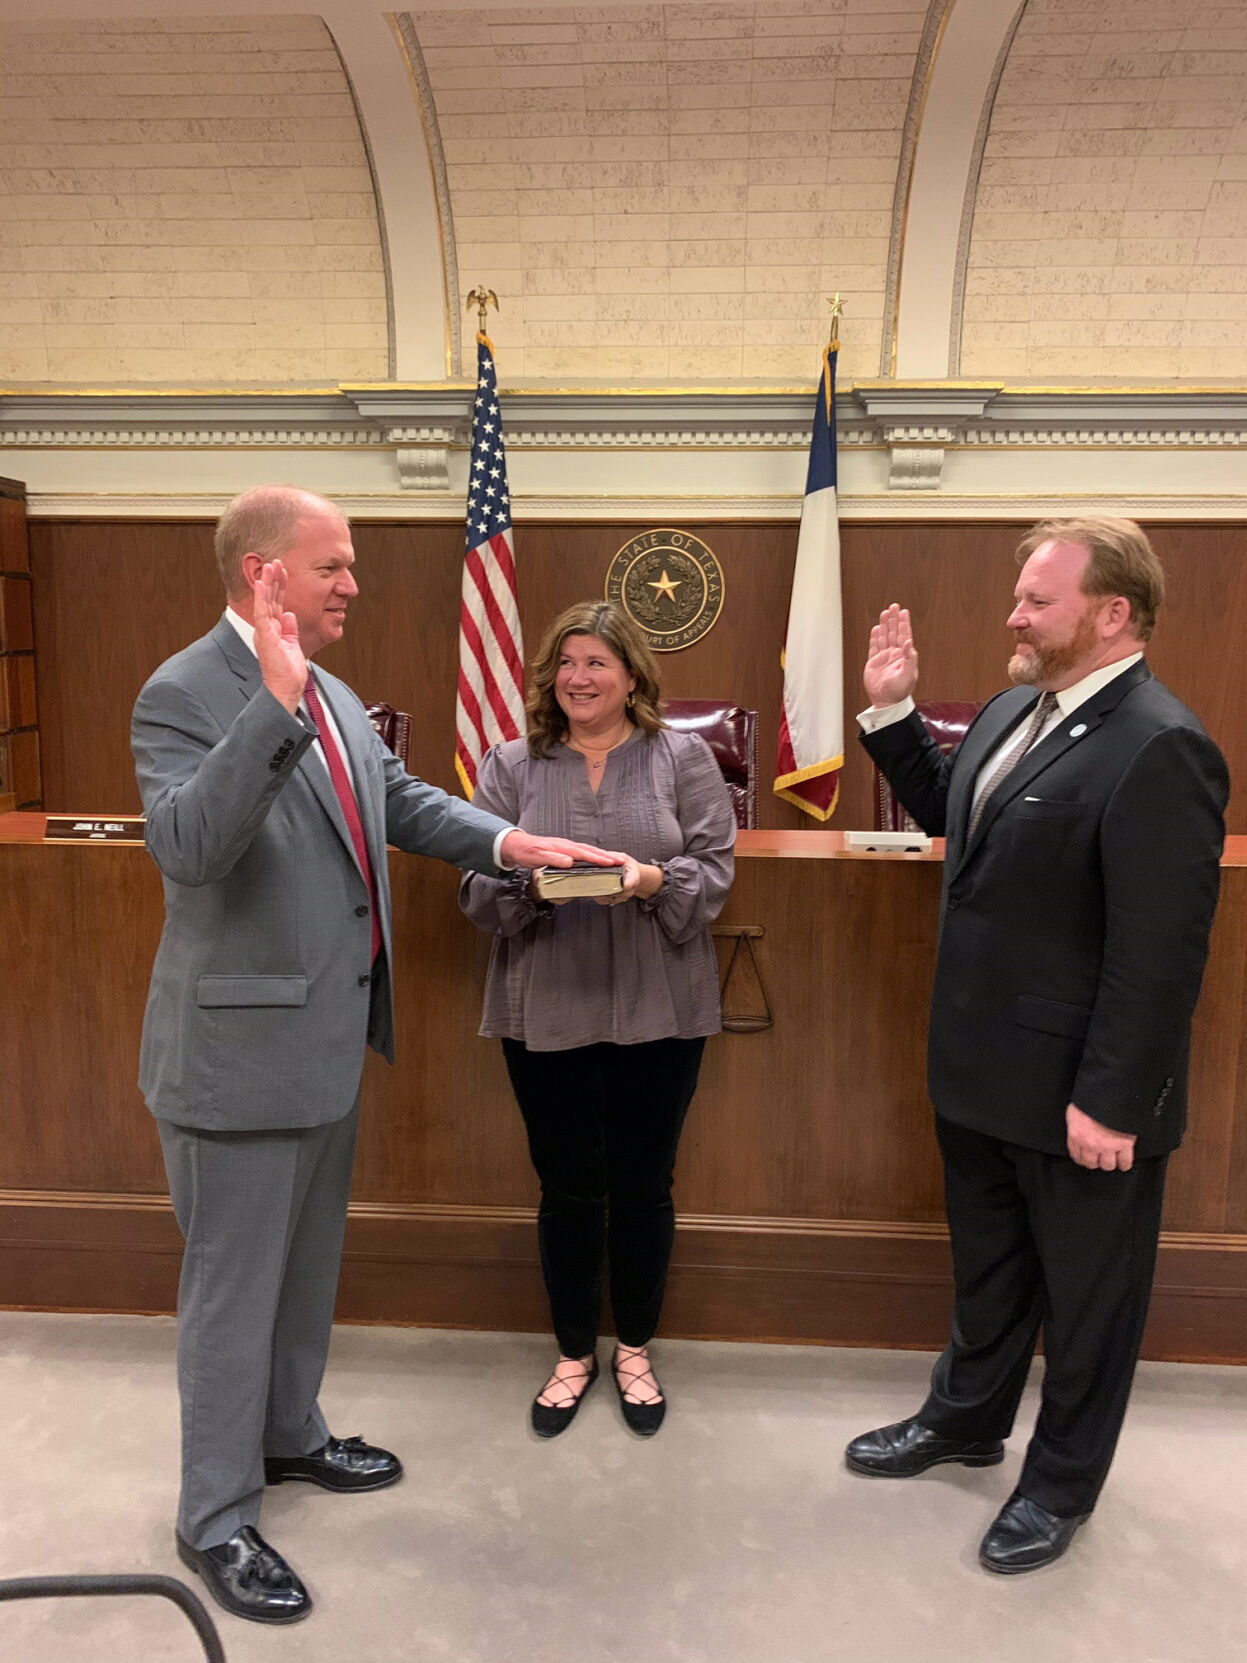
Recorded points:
269,804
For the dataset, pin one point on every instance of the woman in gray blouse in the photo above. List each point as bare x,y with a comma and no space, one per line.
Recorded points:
603,1006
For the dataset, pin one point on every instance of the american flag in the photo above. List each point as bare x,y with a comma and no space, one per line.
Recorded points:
490,706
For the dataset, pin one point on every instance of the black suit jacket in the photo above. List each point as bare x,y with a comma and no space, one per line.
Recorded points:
1074,923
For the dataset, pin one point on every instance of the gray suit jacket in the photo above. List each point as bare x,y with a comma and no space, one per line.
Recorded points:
262,1000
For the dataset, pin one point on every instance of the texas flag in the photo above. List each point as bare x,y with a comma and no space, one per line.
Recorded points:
811,728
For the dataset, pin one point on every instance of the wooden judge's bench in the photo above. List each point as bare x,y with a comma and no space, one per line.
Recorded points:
808,1184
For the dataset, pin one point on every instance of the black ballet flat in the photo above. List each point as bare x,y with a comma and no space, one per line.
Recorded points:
549,1419
642,1418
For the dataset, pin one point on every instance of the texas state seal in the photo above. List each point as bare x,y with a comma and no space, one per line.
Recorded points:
670,585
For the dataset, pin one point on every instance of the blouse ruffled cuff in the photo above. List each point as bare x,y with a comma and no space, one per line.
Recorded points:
651,903
525,904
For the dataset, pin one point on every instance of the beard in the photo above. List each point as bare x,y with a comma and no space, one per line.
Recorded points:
1053,662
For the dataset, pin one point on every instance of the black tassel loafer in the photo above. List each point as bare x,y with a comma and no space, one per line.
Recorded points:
249,1578
342,1464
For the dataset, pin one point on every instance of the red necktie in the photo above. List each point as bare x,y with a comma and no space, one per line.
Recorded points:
346,797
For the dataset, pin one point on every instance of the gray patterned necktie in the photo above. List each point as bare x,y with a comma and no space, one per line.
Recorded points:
1011,758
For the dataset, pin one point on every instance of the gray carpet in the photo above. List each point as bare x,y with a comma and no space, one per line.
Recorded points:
735,1536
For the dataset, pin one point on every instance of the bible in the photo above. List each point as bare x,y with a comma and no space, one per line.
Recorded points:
582,877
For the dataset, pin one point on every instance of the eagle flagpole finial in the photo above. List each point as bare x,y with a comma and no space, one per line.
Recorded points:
482,298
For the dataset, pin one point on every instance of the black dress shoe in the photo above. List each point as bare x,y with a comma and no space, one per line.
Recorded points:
642,1418
549,1419
343,1464
249,1578
1023,1536
907,1448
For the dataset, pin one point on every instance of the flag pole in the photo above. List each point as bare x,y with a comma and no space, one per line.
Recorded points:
810,752
489,705
837,312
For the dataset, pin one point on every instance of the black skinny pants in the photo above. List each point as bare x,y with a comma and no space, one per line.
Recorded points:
603,1123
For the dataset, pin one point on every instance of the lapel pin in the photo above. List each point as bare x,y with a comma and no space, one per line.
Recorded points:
1077,733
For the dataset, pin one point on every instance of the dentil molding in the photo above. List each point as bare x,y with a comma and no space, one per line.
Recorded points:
918,423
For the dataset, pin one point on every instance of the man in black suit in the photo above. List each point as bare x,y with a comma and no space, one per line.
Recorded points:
1084,821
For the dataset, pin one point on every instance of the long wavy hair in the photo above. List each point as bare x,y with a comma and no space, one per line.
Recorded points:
547,724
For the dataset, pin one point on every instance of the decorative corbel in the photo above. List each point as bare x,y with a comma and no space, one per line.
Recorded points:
423,457
918,423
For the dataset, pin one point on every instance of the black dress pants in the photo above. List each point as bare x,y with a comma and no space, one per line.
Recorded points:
603,1125
1041,1242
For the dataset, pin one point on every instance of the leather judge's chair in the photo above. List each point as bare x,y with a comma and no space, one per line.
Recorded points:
732,734
946,721
393,728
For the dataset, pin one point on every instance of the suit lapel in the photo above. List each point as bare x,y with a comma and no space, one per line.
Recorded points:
1069,731
238,655
1000,719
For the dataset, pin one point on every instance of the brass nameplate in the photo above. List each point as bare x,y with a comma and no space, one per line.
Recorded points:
83,828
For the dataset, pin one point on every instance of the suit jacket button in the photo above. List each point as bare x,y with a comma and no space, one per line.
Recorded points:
361,912
364,981
275,765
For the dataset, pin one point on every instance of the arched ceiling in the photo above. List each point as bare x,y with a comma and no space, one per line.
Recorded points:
668,192
1110,227
661,194
184,199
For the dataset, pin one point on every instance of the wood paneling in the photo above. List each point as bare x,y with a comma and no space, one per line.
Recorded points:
808,1181
736,1279
112,600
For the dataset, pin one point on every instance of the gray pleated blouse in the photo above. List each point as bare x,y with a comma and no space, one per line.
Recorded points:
580,973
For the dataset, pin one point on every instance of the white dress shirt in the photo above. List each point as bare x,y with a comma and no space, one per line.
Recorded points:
1067,701
247,632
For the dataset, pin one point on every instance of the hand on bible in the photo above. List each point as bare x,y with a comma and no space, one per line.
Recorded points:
891,671
1096,1146
521,848
282,663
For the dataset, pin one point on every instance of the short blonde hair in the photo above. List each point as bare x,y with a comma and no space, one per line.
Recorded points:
547,723
264,521
1122,562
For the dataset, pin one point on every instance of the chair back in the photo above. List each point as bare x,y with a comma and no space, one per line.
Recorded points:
947,721
393,728
732,734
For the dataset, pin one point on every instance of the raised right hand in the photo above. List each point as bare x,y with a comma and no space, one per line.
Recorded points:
891,671
282,663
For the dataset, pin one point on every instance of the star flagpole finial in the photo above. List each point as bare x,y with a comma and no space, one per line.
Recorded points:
837,312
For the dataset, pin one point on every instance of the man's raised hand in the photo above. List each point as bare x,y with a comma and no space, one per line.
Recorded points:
282,663
891,671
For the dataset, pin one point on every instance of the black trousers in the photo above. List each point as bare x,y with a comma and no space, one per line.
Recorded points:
603,1125
1042,1243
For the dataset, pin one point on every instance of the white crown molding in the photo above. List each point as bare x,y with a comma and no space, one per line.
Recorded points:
659,510
919,423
